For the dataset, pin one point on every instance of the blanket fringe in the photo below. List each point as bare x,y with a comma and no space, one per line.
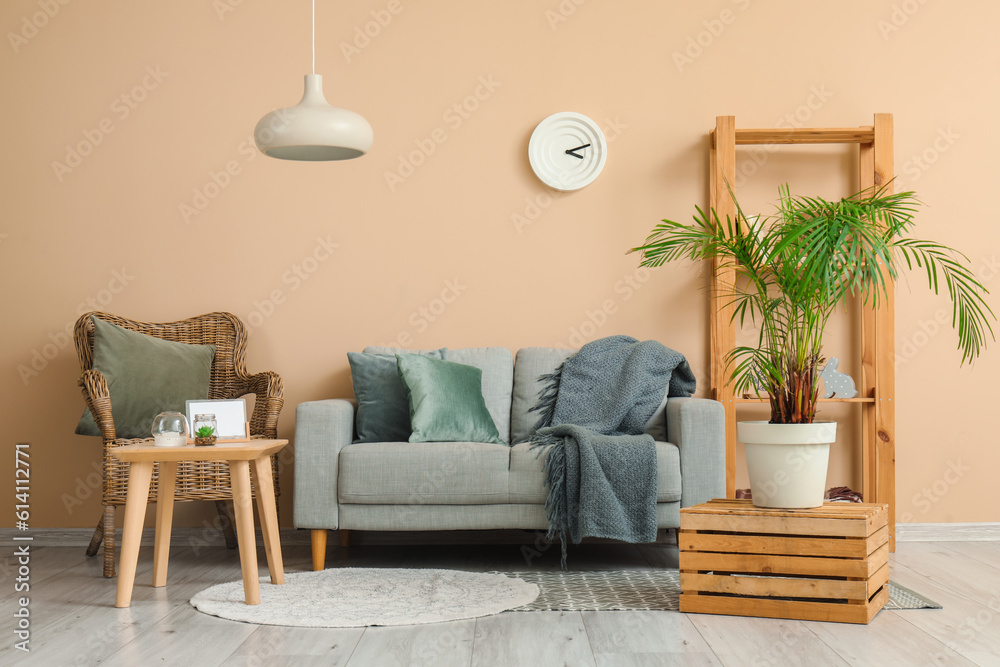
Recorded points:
546,404
554,449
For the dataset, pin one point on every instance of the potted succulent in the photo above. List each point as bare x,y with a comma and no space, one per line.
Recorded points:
204,435
793,270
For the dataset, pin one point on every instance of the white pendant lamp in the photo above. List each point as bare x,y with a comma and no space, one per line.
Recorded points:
312,130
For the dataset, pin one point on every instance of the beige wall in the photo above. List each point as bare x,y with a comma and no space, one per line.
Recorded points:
111,230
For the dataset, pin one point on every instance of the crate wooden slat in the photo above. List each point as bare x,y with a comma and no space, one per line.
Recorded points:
830,563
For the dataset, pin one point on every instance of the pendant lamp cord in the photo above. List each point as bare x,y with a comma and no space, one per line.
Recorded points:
314,35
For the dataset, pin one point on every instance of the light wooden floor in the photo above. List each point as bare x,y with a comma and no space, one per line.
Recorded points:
74,622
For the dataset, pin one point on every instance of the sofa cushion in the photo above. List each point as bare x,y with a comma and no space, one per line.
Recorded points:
497,365
527,476
446,401
534,362
433,473
383,411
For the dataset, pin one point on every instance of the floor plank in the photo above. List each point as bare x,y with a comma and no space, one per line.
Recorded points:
646,638
276,645
984,552
184,638
963,574
529,639
888,639
739,641
430,645
965,626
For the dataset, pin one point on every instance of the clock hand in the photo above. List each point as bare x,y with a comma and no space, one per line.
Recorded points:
573,151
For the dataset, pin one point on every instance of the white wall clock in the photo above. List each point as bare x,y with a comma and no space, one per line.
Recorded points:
567,151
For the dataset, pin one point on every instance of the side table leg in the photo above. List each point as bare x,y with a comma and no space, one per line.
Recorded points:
261,471
140,473
239,473
164,519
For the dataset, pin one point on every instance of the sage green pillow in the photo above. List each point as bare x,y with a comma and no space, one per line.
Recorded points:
446,401
146,376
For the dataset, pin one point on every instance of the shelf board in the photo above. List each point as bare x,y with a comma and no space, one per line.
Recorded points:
821,400
804,135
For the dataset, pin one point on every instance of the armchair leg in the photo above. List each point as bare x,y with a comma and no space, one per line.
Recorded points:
95,541
318,549
345,538
109,541
226,523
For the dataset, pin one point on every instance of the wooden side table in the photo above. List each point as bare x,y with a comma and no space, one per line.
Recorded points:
830,563
244,458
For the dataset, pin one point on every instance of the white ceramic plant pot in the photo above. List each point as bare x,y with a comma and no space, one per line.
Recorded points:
787,463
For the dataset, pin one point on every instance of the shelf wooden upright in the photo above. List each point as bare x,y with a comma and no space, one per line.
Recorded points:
877,325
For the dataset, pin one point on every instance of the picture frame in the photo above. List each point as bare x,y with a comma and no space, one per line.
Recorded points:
230,414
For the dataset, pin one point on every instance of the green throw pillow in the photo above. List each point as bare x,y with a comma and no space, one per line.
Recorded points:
383,413
146,376
446,401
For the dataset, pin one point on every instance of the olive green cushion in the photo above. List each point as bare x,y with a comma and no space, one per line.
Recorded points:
146,376
446,401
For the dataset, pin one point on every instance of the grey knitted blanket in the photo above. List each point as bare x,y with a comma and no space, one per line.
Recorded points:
600,467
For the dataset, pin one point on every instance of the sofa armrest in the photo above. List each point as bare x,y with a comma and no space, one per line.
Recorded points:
322,429
698,427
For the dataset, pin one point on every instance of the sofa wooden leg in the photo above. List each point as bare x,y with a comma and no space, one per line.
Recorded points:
345,538
319,549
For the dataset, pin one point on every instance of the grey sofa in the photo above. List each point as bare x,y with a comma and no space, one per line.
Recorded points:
402,486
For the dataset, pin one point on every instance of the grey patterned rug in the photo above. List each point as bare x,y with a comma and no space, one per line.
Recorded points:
641,590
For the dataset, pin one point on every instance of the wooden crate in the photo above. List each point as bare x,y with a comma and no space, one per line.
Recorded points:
825,564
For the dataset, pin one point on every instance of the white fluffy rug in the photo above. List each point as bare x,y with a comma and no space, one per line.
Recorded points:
357,597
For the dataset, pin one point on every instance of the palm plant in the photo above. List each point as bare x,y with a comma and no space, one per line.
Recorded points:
796,267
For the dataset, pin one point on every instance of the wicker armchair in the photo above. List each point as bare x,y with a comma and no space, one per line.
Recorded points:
229,380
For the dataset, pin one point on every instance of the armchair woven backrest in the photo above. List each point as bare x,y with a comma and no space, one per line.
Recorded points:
223,330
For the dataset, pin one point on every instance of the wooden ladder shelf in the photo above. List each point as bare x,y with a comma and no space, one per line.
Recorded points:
876,388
